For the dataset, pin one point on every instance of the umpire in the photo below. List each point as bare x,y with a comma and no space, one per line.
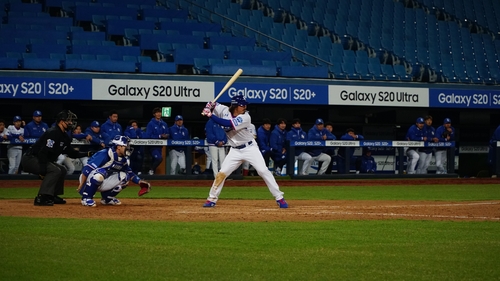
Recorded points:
40,159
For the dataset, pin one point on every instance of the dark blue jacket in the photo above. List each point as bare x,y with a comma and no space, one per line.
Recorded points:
430,133
215,133
414,134
495,137
297,134
277,142
368,164
441,135
34,130
314,135
179,133
156,128
111,130
263,137
133,133
342,149
95,143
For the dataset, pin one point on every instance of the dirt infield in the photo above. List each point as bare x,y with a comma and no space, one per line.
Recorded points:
265,210
260,210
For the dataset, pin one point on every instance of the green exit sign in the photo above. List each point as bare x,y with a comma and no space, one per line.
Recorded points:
166,111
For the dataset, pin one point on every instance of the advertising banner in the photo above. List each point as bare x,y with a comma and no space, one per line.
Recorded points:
378,96
152,90
45,88
455,98
275,93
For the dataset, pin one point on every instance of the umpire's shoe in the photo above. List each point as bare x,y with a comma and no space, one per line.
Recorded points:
59,200
44,200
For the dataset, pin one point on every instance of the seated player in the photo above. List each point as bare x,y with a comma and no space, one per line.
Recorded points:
109,172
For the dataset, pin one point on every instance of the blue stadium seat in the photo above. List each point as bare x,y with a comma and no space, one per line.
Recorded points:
401,72
349,71
31,61
304,71
362,69
388,71
185,56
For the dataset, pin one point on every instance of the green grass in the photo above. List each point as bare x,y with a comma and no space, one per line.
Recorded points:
73,249
411,192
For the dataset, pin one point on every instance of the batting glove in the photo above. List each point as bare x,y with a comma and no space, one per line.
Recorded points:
207,112
210,105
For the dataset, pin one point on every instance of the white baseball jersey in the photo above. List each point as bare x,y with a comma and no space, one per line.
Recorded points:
237,136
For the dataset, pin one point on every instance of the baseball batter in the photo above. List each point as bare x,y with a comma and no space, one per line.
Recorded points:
243,148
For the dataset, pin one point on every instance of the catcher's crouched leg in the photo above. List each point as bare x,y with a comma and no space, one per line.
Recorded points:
112,186
88,191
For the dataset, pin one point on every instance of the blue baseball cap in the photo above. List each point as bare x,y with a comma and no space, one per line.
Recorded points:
17,118
420,120
239,100
37,113
447,121
95,124
319,121
178,117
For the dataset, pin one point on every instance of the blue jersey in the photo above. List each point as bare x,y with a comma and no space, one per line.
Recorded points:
277,141
34,130
414,134
109,161
314,134
215,133
342,150
156,128
263,136
495,137
179,133
442,132
368,164
110,130
429,133
299,135
133,133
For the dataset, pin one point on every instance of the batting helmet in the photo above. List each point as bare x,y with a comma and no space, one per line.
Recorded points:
239,100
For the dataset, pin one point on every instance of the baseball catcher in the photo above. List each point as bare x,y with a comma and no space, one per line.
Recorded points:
109,172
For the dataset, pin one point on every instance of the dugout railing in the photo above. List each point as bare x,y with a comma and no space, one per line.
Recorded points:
399,148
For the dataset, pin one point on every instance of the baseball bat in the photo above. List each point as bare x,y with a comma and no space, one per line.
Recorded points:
228,84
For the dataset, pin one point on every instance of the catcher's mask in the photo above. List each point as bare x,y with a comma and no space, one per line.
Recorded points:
69,118
123,141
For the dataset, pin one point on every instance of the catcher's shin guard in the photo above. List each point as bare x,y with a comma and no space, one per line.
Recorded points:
91,186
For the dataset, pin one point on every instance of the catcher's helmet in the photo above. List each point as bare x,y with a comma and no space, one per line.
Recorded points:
239,100
123,141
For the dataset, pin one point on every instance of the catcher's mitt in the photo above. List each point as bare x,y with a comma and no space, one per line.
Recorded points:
145,187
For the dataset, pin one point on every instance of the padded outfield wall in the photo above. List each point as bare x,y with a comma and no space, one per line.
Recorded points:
378,110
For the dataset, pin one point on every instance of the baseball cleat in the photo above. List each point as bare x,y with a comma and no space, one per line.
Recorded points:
282,203
88,202
209,204
111,201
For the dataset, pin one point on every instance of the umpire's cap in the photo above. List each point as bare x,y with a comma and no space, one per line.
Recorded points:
239,100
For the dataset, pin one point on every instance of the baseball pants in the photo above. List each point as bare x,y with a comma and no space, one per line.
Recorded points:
233,160
14,154
108,185
218,154
412,161
177,157
423,162
53,181
440,161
